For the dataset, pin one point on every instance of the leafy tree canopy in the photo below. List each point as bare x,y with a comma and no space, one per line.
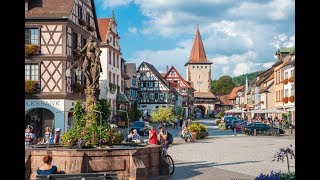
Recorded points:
163,114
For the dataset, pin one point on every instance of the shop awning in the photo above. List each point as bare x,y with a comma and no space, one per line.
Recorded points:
121,98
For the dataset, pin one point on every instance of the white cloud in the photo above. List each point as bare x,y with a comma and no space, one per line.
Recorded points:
112,3
268,65
241,68
132,29
282,40
273,10
162,58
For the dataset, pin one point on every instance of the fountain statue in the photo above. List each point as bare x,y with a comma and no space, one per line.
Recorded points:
91,67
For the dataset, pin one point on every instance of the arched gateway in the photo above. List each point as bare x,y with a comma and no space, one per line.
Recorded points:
39,119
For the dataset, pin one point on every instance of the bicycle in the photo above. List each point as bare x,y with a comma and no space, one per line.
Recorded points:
168,158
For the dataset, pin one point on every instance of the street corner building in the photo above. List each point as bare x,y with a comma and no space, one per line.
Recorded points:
53,76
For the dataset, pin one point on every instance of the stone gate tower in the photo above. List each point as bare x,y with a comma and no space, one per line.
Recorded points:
198,72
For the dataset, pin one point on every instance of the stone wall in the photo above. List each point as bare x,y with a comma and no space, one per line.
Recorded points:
136,163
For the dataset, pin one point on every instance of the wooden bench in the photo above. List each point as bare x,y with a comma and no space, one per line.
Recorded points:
80,176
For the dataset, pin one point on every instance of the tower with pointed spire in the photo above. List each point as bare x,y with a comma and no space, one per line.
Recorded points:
198,72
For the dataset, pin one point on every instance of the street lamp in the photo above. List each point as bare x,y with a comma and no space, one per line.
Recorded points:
100,124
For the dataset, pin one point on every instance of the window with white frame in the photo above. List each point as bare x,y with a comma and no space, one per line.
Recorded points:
31,36
31,72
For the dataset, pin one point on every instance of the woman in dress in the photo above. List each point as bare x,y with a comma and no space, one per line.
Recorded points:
47,168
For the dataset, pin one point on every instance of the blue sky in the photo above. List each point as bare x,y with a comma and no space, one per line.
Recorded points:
238,36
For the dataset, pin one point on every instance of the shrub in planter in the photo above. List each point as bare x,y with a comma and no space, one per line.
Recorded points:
220,115
200,129
218,121
222,126
276,176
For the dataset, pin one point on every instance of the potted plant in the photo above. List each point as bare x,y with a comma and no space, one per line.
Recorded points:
291,99
82,22
30,86
90,28
291,79
285,100
285,81
31,49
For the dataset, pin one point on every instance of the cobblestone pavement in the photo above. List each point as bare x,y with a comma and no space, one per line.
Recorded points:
225,156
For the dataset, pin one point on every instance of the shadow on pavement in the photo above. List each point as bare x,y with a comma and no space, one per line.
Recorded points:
199,170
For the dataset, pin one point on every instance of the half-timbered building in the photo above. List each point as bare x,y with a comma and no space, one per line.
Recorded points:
184,89
53,30
154,91
198,72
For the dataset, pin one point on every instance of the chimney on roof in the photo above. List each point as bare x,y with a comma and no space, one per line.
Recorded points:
167,69
26,5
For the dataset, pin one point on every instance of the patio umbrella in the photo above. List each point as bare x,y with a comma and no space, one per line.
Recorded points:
235,111
276,111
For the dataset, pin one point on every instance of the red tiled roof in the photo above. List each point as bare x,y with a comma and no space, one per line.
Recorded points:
224,99
234,91
163,75
198,54
49,8
203,95
103,24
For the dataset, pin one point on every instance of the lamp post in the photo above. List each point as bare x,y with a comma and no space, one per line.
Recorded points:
100,124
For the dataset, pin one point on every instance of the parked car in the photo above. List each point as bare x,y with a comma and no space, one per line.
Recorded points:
229,119
234,122
240,125
262,129
142,127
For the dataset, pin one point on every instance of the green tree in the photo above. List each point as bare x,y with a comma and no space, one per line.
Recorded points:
224,85
103,106
163,114
213,85
178,111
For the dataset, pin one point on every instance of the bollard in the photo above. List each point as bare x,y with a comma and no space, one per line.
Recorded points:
235,132
290,130
254,132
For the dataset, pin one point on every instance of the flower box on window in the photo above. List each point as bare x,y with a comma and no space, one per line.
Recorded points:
90,28
82,22
285,81
285,99
31,49
291,79
31,86
291,99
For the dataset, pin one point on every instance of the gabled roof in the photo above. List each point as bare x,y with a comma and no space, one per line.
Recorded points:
163,75
176,71
234,91
203,95
55,9
103,24
198,54
224,99
264,76
286,50
155,72
51,9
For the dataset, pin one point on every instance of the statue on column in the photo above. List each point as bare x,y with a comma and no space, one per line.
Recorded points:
91,68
